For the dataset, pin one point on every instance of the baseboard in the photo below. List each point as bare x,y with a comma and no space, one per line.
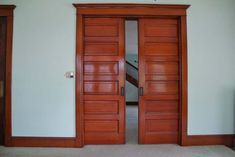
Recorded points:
42,142
132,103
196,140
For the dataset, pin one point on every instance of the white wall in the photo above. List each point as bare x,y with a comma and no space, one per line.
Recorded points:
44,48
131,28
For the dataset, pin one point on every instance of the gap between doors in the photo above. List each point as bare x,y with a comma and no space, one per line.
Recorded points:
132,83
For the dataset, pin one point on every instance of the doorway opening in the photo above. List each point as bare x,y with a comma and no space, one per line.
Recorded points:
2,76
131,55
100,65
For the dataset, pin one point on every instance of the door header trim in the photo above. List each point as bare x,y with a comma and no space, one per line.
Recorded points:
132,9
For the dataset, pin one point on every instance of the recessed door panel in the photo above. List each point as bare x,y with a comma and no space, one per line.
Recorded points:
161,48
161,31
101,126
99,30
101,107
101,68
161,107
100,88
103,78
101,48
170,68
161,87
158,81
166,126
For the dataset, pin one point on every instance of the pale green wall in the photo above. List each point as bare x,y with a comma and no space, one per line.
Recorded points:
44,49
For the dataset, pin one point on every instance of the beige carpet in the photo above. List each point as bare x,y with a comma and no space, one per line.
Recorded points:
128,150
131,149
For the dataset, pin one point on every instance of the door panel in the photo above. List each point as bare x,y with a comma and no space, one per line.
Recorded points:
102,68
161,48
161,87
101,49
164,126
101,107
97,30
159,78
101,88
103,78
161,107
101,126
162,68
161,31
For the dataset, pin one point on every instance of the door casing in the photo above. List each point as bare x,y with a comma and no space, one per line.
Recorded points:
2,76
131,11
7,12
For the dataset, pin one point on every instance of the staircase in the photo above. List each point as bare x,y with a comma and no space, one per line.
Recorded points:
132,74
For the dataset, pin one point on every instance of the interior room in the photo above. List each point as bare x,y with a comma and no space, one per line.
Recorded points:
117,78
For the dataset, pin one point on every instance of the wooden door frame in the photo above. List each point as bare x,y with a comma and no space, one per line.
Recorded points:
132,11
7,11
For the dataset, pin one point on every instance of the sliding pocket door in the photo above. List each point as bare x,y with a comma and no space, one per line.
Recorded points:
159,81
103,81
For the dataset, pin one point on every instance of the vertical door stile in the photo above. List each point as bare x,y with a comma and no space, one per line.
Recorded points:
141,77
122,78
79,142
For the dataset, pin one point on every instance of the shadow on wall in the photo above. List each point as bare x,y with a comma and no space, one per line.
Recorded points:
234,118
234,113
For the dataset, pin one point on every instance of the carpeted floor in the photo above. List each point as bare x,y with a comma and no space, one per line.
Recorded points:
128,150
131,149
132,124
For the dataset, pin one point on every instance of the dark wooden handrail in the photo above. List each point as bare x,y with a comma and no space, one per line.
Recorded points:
132,80
131,65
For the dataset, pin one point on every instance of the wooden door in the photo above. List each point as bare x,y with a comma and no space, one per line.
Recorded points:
2,75
103,81
159,81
